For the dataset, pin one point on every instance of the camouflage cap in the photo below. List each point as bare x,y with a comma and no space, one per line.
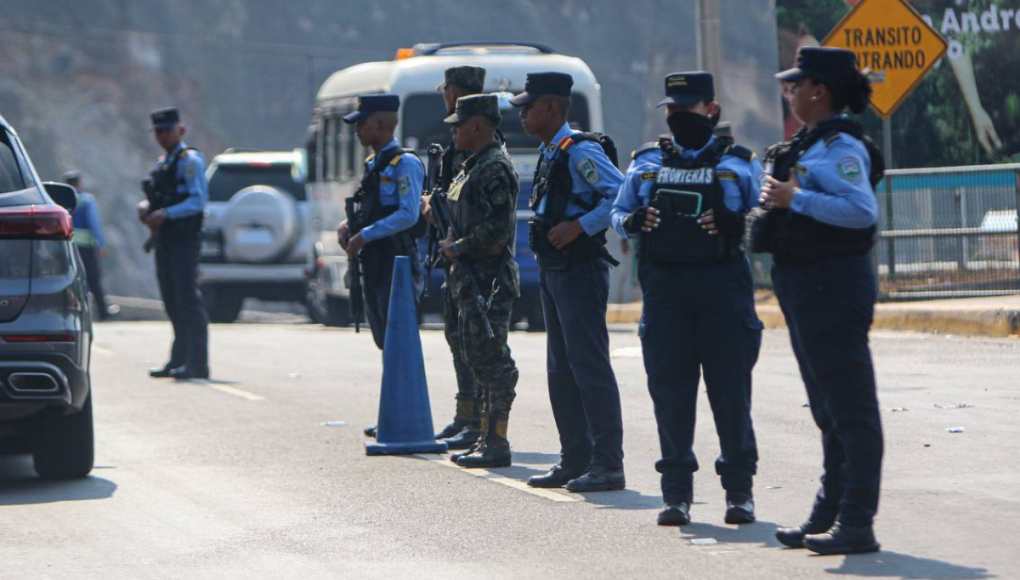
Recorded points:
474,105
470,78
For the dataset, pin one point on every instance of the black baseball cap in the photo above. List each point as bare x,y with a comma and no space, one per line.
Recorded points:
821,62
543,83
368,104
165,118
688,88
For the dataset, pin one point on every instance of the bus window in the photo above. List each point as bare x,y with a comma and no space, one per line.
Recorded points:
330,165
423,121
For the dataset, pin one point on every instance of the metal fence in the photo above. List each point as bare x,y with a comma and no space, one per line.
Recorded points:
949,232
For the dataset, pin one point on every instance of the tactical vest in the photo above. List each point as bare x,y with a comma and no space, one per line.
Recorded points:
684,189
554,184
370,209
796,238
166,184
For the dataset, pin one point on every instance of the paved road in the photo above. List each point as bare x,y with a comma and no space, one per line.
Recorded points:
242,476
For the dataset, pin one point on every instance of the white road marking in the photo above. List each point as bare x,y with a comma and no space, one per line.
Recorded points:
230,390
102,350
501,479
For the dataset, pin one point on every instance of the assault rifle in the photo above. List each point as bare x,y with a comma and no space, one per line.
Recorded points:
444,223
434,234
354,223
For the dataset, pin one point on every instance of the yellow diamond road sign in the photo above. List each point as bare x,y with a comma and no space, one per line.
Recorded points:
894,45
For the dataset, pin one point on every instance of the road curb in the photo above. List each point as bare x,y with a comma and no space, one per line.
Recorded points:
910,317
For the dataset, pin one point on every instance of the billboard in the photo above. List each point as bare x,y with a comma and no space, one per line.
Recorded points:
967,110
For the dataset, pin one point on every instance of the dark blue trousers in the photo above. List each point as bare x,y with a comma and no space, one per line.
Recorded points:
582,386
377,273
701,317
177,271
829,306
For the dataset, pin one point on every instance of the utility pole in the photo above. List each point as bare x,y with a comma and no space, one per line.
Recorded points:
709,37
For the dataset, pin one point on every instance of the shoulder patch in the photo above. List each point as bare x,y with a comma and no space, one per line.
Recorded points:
404,185
649,175
725,175
849,169
190,169
586,167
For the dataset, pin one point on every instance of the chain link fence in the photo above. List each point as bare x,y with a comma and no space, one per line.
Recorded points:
947,232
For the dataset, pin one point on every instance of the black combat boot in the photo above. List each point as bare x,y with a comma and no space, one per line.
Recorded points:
467,437
558,476
467,413
843,539
739,508
675,513
493,449
370,431
794,537
598,478
479,441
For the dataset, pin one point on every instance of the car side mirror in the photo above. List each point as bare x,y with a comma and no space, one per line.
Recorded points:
62,194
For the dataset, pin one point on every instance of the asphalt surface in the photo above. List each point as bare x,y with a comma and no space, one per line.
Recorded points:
262,472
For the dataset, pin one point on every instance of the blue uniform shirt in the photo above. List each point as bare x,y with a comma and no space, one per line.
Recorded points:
739,194
86,218
595,180
400,185
834,186
191,173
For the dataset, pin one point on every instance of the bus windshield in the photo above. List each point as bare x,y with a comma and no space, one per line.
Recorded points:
423,124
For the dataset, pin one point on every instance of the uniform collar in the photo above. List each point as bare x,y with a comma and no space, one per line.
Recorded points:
177,151
549,150
473,160
692,153
390,145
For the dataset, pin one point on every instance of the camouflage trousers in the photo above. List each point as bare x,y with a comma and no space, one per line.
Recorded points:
466,390
494,370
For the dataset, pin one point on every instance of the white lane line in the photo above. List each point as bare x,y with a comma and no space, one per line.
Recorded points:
501,479
230,390
102,350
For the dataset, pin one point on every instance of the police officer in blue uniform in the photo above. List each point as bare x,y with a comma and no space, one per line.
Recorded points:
388,209
88,236
574,188
390,193
174,215
820,226
685,199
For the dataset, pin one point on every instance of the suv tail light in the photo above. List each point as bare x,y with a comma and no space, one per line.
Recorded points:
36,222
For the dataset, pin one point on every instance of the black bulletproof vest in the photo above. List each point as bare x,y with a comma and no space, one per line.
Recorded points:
368,201
797,238
684,189
554,184
166,183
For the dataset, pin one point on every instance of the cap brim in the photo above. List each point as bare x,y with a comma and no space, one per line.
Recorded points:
682,100
159,126
522,99
441,86
790,75
354,117
454,118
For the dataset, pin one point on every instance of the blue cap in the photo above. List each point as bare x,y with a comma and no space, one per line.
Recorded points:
821,62
368,104
544,83
688,88
165,118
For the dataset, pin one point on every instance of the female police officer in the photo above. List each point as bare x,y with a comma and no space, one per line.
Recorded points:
687,198
820,226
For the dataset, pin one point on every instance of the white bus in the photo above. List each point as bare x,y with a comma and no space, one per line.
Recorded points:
335,158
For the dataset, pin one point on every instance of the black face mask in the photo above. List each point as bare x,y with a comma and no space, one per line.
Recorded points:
690,130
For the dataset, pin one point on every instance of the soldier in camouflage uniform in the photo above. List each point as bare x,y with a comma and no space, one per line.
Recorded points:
483,207
463,431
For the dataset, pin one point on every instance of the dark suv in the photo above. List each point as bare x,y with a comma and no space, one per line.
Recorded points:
45,321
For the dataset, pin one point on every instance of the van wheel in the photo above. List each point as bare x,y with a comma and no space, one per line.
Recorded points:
224,303
64,445
337,312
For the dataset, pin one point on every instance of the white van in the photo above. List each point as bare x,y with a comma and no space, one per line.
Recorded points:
336,159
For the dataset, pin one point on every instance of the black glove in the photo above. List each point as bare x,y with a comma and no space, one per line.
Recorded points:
757,230
636,220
